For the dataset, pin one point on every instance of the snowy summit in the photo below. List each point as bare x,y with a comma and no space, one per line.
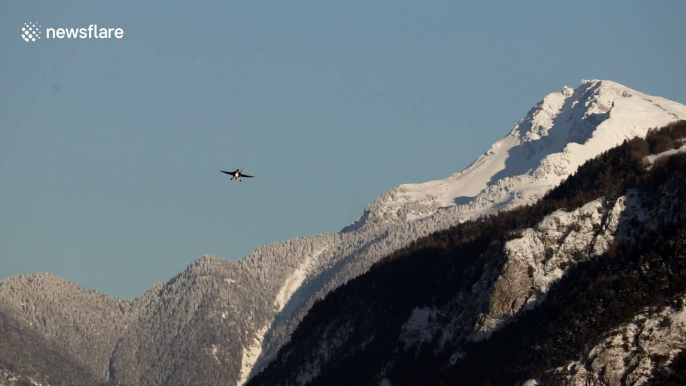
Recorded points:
558,135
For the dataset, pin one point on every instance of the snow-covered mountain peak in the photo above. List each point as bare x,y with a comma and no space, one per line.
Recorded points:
555,137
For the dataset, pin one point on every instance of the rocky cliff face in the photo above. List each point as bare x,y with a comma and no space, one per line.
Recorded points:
630,354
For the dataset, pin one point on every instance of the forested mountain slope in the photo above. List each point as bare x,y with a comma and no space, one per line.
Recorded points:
584,287
219,321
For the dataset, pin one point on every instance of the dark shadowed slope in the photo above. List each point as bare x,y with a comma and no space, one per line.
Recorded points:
541,292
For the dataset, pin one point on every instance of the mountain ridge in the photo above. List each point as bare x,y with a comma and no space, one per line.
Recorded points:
527,296
232,317
572,126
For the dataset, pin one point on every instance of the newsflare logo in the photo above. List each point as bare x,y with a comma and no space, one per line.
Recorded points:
31,32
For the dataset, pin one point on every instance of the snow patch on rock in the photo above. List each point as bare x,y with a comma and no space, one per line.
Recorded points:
294,281
419,327
250,355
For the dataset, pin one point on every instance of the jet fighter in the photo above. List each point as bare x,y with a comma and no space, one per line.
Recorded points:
236,174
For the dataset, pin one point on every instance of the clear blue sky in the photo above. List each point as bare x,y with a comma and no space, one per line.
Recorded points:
110,150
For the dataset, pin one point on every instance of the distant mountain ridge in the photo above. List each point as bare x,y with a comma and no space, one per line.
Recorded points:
220,322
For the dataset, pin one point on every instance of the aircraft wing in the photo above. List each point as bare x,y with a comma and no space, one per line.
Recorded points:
245,175
223,171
